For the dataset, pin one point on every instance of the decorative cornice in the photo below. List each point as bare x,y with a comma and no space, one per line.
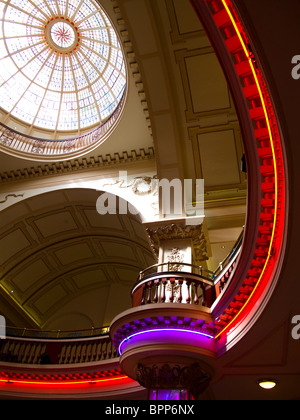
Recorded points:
83,164
133,65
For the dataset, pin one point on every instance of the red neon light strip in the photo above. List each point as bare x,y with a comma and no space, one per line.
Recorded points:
233,20
274,162
65,383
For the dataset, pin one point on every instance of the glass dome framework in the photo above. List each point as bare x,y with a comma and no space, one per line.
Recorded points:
62,67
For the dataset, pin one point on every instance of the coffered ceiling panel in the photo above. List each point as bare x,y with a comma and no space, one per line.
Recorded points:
113,250
186,18
218,157
88,277
75,252
12,243
124,273
208,87
49,298
26,276
107,223
55,223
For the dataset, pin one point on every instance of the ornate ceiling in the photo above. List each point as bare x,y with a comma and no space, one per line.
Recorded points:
179,122
175,129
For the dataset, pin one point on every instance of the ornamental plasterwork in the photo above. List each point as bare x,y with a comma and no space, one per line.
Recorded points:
180,231
142,185
75,165
175,258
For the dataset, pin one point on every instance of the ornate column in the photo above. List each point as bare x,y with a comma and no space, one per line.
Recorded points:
166,341
180,247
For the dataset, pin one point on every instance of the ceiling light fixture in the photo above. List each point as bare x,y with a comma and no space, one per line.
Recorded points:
267,383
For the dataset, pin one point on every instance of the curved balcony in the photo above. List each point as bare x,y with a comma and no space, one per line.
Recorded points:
178,283
48,351
62,367
185,283
24,146
171,317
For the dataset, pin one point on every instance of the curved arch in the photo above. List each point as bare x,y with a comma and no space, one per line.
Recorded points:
260,259
137,193
59,255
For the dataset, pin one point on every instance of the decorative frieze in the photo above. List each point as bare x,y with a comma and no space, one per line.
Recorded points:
82,164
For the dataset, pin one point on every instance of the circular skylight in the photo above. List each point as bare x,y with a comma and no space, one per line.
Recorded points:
61,64
63,34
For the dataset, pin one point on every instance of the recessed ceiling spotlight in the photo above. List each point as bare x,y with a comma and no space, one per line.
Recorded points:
267,383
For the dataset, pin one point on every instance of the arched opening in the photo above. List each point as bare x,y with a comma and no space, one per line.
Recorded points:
66,267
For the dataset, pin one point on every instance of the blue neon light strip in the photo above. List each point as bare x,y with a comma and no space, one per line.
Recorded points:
161,330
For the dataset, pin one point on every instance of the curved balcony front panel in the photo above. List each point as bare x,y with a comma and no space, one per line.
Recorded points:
173,287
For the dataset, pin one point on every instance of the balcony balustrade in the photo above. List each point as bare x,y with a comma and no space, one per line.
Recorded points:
174,283
53,351
24,145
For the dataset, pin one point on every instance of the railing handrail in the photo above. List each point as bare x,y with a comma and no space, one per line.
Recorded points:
199,268
56,352
202,276
31,333
231,254
227,267
172,274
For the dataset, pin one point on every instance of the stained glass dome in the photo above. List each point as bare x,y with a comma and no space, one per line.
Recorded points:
61,64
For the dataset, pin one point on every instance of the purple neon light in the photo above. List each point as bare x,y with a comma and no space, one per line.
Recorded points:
161,330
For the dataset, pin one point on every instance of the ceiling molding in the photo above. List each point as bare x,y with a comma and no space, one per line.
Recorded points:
82,164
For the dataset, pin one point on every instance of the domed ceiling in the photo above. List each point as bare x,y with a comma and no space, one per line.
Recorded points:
62,66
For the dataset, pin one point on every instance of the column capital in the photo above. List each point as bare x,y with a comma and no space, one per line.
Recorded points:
166,231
